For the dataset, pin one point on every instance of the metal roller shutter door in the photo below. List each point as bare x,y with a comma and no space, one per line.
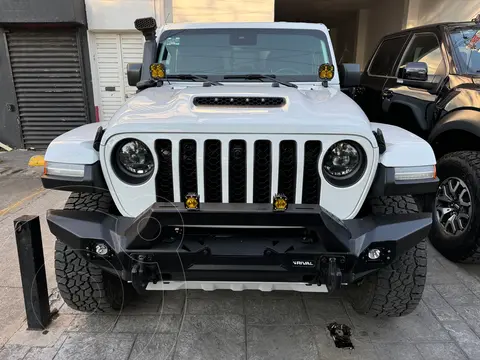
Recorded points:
49,83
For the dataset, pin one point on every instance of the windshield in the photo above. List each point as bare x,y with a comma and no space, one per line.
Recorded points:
290,55
466,42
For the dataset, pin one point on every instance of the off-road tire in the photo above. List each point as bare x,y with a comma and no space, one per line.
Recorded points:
465,247
396,289
82,285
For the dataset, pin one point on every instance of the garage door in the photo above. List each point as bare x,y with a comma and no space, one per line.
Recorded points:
112,54
49,83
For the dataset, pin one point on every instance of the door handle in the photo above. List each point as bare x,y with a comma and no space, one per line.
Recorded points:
387,94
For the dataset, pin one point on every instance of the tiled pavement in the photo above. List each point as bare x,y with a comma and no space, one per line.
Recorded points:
251,325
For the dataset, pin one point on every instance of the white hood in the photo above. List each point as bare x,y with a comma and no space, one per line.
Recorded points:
168,110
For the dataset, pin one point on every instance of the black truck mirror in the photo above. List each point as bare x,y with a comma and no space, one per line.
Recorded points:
350,75
417,71
134,73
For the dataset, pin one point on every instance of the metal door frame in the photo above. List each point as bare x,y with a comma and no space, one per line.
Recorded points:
17,136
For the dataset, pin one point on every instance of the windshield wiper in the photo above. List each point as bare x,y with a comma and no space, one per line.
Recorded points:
192,77
259,77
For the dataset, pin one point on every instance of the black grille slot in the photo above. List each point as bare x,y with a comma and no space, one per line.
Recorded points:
239,101
287,174
311,177
164,179
188,167
237,172
262,172
213,171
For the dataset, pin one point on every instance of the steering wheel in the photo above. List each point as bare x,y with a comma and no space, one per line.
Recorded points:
288,71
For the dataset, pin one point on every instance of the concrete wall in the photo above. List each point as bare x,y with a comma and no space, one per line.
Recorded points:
362,38
120,14
42,11
385,17
222,10
421,12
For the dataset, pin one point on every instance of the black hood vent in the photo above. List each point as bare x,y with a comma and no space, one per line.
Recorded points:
239,101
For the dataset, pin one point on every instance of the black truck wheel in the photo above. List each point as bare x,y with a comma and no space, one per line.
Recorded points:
396,289
82,285
456,214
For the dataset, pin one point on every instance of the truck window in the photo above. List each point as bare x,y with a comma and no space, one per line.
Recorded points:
466,43
386,56
425,48
291,54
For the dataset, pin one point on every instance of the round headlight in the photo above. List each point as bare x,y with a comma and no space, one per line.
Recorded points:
344,163
134,160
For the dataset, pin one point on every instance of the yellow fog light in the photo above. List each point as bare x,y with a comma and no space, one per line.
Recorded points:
326,71
157,71
280,202
192,202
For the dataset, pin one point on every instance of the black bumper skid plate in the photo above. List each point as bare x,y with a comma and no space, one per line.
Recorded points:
222,239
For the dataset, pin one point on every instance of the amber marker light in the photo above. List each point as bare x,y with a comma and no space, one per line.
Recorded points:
157,71
192,201
280,202
326,71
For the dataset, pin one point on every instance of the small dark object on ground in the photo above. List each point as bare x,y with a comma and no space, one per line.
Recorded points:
341,335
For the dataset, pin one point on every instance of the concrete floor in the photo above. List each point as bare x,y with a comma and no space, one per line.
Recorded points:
227,325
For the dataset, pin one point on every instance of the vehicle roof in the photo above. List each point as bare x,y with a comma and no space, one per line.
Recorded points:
429,26
246,25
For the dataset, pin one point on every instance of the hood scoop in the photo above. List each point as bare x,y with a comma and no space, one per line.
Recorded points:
242,101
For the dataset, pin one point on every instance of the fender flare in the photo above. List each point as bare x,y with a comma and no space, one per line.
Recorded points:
463,119
417,110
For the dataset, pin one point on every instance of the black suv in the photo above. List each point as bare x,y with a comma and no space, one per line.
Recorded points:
427,80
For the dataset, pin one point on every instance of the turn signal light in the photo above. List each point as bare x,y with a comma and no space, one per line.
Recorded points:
157,71
192,201
326,71
280,202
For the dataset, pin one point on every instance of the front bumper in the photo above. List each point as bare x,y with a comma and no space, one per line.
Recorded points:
238,243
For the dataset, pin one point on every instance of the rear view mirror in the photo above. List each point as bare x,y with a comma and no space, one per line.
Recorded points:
350,75
134,73
417,71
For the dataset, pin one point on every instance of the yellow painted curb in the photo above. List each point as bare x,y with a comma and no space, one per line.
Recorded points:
37,160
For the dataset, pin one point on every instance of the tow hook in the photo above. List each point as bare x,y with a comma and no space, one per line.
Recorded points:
139,276
334,275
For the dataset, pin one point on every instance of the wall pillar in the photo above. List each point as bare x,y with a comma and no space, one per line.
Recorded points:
362,34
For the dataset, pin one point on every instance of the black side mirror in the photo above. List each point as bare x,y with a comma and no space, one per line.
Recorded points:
416,71
134,73
350,75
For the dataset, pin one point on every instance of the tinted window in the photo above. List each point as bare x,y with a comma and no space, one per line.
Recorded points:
386,56
466,42
287,53
425,48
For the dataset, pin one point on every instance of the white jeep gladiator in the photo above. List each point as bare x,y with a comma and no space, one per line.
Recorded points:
240,163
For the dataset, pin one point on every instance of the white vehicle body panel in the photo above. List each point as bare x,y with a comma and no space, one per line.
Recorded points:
404,148
164,110
345,203
75,146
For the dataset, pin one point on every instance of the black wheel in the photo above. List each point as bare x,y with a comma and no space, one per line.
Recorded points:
396,289
456,225
82,285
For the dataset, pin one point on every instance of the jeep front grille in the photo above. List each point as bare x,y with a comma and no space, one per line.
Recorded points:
238,171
